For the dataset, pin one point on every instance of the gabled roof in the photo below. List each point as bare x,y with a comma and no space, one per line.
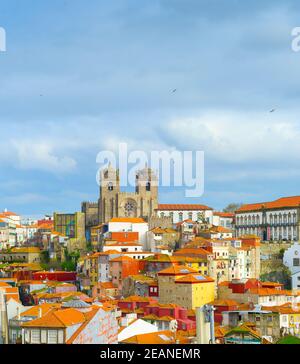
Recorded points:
177,270
44,307
194,278
58,319
243,328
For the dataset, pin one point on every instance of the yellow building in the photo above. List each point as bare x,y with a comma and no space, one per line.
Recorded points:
166,282
22,254
184,286
194,290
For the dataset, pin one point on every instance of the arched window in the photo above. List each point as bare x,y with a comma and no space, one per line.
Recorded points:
110,186
148,186
180,216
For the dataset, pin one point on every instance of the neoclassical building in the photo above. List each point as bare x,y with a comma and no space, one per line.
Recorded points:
275,220
115,203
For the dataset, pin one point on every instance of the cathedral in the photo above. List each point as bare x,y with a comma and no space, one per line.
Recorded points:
115,203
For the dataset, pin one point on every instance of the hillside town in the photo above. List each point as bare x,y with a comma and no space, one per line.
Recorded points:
129,270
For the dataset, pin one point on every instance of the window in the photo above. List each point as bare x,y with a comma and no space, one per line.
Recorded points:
296,262
52,336
35,336
110,186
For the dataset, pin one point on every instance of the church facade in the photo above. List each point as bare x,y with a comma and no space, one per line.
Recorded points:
115,203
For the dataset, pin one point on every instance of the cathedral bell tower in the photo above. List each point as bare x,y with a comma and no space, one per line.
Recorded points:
146,183
109,190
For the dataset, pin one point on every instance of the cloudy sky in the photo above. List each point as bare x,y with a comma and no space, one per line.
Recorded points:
82,76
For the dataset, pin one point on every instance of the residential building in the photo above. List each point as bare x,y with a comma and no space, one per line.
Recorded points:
194,290
91,325
224,219
22,254
291,259
158,236
122,267
242,334
180,212
128,225
167,285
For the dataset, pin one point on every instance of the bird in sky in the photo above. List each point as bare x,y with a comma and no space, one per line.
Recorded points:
175,89
272,110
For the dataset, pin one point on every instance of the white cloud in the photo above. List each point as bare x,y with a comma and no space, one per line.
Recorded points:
237,137
42,156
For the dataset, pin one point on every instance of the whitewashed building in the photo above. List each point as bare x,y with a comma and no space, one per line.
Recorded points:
181,212
275,220
130,224
291,259
224,219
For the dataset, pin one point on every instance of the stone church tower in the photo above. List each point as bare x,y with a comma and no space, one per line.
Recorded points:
114,203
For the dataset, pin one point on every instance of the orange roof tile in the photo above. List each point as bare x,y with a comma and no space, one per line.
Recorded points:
190,207
177,270
293,201
160,337
58,318
134,220
194,278
224,214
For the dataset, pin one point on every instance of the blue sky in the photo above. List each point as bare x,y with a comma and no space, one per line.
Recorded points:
79,77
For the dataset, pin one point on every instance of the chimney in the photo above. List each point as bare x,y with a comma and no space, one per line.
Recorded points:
40,312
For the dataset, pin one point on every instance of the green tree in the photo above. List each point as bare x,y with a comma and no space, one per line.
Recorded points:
232,207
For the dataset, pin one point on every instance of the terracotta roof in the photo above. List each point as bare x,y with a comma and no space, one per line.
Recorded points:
134,220
243,328
58,318
270,292
137,299
8,213
160,337
177,270
45,307
194,251
194,278
293,201
158,318
106,285
122,258
186,221
223,214
224,303
126,243
88,316
189,207
220,229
